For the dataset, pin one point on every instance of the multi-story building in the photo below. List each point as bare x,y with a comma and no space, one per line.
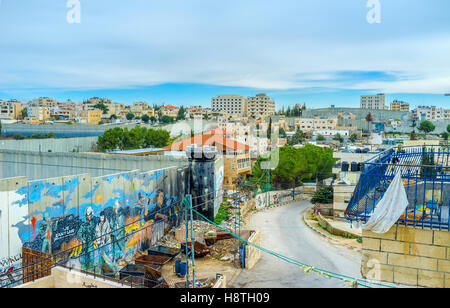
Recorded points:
230,104
171,111
399,106
45,102
310,125
373,101
10,110
37,114
194,112
92,117
260,106
142,108
431,113
255,107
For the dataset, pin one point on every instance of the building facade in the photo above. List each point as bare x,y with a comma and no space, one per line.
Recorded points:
260,106
399,106
431,113
373,101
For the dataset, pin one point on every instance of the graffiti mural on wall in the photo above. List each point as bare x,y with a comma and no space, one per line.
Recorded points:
100,222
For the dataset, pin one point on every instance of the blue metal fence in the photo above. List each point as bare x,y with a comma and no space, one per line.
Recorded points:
425,173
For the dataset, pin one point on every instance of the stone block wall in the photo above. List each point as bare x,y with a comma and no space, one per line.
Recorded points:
409,256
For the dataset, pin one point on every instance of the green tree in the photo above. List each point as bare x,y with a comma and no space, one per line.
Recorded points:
282,132
111,139
324,195
295,166
426,127
157,138
296,139
338,137
181,114
445,136
166,119
102,107
353,137
269,129
448,128
320,137
153,119
113,117
24,113
145,118
130,116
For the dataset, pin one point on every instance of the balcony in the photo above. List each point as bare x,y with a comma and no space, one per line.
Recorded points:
425,172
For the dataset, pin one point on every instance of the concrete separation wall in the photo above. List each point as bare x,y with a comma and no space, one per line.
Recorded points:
65,145
64,213
41,165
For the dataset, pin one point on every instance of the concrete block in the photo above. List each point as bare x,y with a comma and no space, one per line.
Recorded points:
407,276
371,244
395,246
390,235
412,261
377,272
444,266
406,234
374,256
430,279
441,238
428,251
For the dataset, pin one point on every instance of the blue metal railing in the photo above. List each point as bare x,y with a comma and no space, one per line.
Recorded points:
425,173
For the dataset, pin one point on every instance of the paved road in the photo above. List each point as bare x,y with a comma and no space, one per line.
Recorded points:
283,231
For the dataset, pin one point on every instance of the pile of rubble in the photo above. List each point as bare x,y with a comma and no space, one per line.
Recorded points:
223,250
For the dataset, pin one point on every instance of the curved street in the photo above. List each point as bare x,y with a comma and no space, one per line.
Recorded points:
284,231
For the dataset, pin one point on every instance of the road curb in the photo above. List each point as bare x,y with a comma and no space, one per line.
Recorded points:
328,237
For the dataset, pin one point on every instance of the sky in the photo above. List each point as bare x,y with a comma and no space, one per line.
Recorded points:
183,52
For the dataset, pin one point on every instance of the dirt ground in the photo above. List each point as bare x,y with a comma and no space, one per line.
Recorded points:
206,267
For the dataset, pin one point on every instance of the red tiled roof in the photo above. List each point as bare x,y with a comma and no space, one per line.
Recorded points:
169,107
221,142
218,131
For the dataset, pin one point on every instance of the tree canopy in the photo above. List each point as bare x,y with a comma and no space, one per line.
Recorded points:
136,138
426,127
296,165
296,139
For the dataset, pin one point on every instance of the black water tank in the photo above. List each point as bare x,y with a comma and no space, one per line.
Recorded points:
354,166
345,166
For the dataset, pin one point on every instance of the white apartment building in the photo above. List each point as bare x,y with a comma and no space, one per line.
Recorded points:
10,109
331,132
231,104
313,124
431,113
260,106
238,105
373,101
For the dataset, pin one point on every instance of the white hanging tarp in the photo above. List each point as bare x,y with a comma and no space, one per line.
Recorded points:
390,208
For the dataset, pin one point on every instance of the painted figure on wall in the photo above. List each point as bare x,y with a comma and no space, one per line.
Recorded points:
45,233
86,236
118,232
159,214
103,249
